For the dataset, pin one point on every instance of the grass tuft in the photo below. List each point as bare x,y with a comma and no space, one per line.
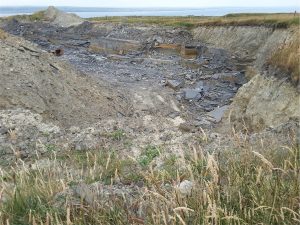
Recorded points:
3,34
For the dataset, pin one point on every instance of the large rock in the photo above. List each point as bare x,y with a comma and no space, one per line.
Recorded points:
264,103
61,18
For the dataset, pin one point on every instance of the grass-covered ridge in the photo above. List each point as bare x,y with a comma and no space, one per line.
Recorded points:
37,16
241,185
279,20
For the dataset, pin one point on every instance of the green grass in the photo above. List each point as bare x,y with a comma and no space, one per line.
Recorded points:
148,155
276,20
37,16
118,135
244,184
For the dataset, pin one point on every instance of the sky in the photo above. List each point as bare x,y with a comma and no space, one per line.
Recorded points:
153,3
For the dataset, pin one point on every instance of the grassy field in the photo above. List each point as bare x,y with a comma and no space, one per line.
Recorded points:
274,20
240,185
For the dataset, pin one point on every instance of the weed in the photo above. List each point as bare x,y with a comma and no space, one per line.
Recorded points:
117,135
147,156
287,58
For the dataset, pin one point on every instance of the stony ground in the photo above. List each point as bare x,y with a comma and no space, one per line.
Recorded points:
153,95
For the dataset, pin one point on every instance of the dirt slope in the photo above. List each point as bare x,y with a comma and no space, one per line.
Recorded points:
36,80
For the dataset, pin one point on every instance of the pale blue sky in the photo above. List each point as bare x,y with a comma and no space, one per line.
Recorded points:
152,3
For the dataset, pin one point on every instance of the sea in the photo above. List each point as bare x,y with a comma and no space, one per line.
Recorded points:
87,12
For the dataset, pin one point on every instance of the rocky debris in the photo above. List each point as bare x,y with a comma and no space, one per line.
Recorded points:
192,94
218,113
123,87
61,18
233,77
202,122
193,83
175,84
24,135
98,195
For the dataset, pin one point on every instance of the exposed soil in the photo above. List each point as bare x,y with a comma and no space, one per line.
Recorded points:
155,83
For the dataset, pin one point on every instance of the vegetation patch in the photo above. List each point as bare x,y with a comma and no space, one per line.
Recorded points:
148,155
37,16
276,20
234,186
287,58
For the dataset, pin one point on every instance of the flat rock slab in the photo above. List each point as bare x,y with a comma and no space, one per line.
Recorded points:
218,113
192,94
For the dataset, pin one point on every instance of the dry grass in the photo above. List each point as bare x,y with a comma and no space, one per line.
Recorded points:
37,16
241,185
287,58
270,20
3,35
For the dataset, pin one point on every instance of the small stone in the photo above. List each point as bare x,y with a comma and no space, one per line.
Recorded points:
189,76
173,115
192,94
185,187
175,84
218,113
214,135
202,122
3,130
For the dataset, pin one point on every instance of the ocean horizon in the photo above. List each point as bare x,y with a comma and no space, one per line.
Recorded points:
87,12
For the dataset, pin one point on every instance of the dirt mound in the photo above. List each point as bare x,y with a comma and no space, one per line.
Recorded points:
36,80
61,18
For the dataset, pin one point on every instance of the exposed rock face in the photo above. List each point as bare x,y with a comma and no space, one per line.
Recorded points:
61,18
264,102
254,44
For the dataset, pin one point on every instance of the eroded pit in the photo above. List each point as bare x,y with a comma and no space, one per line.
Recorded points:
193,79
